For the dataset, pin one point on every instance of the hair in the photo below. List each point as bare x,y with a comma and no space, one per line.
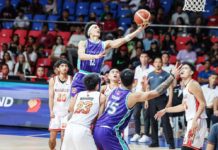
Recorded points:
191,66
88,25
61,61
165,53
127,77
158,58
91,81
8,55
146,53
62,41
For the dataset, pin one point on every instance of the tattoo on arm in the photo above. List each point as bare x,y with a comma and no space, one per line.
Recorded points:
162,88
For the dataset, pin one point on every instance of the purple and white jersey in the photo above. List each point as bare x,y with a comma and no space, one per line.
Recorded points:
88,66
117,114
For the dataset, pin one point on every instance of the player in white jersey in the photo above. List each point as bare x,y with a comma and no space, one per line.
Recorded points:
114,79
59,100
194,106
85,107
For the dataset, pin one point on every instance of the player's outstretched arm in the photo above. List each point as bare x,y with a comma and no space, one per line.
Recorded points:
83,56
51,97
118,42
102,105
143,96
175,109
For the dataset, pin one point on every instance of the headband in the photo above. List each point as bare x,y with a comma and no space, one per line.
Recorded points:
90,28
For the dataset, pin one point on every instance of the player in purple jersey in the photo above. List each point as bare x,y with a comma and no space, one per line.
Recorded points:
110,125
91,53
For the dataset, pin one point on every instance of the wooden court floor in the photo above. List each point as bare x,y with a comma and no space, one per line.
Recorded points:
12,142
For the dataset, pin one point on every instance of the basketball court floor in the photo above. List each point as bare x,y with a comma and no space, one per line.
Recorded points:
14,138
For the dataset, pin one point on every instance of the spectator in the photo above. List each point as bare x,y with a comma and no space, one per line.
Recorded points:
153,5
5,49
187,54
143,5
58,49
214,50
166,44
36,7
166,64
22,68
45,39
120,32
178,31
154,50
92,17
14,46
110,25
133,28
51,7
5,73
134,5
66,25
212,143
23,5
72,45
213,20
21,21
106,11
179,13
214,117
7,60
8,11
40,75
80,18
148,40
199,22
135,61
203,76
30,55
210,92
120,58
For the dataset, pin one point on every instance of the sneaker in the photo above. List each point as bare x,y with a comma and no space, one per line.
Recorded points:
144,139
135,138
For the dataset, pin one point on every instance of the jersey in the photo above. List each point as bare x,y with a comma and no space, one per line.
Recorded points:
61,96
92,48
87,66
117,114
86,108
191,105
108,90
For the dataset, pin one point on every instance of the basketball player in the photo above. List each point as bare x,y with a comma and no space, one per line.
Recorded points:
92,51
108,128
194,106
59,98
114,78
85,107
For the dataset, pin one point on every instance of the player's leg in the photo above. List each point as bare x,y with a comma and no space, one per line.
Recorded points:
52,139
108,139
137,115
68,143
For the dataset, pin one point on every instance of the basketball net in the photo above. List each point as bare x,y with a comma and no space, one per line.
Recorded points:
195,5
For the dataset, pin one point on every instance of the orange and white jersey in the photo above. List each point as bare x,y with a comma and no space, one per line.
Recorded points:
108,90
191,105
61,96
86,108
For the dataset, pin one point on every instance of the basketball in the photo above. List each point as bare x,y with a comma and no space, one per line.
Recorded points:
141,16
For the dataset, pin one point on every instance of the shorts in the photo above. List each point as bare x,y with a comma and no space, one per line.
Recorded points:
77,85
58,123
108,139
195,141
78,137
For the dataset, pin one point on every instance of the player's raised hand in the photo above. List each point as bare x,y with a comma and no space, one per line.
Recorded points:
176,70
160,114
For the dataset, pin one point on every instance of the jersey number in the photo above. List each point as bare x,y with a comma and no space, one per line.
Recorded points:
112,107
92,62
83,107
61,97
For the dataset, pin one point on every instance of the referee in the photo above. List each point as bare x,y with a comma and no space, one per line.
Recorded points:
156,78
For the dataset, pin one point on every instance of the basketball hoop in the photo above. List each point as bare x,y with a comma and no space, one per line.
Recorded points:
195,5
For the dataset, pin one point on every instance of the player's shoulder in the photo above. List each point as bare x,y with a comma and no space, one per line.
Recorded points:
194,85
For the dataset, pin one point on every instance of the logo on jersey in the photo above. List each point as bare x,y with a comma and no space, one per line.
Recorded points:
74,90
34,105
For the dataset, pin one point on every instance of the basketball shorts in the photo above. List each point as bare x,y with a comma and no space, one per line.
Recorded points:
108,139
195,141
78,137
58,123
77,85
